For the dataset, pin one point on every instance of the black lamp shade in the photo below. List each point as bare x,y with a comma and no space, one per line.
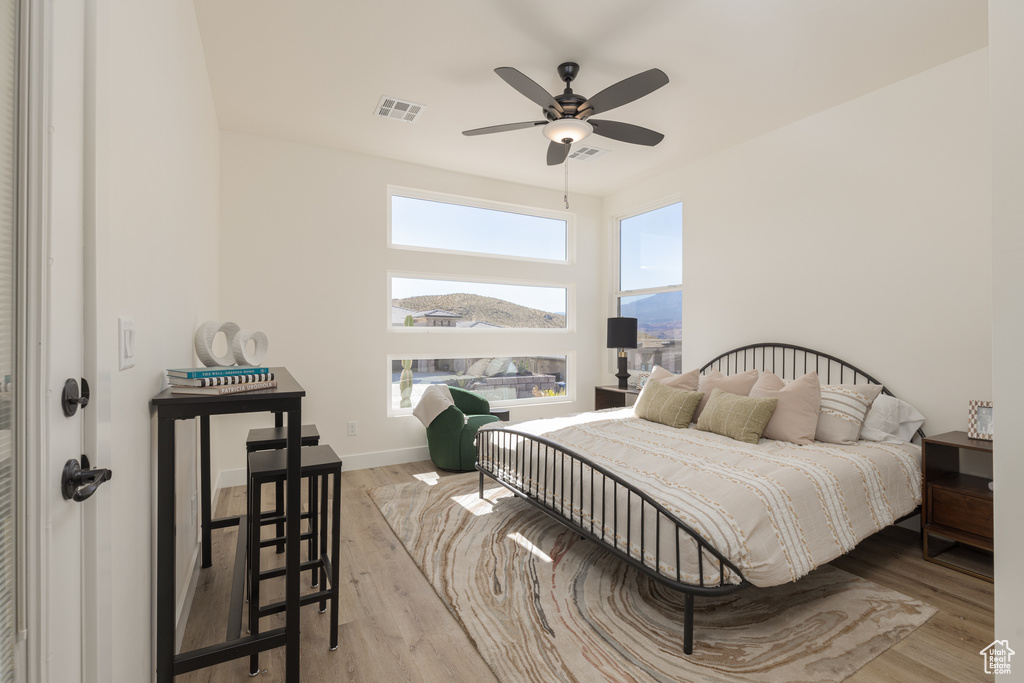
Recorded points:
621,333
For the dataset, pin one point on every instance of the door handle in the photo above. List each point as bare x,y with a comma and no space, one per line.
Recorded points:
78,483
71,398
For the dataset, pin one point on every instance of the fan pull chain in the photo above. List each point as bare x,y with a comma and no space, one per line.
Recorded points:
565,163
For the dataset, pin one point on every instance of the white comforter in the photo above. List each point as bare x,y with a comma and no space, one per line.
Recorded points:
776,510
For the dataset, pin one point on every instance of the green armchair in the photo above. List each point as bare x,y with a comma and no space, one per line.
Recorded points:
450,436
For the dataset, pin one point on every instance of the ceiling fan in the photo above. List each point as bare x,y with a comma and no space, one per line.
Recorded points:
568,115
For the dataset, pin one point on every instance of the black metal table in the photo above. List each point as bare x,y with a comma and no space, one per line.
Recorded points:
285,399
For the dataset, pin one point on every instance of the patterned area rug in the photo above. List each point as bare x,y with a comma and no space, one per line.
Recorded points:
543,605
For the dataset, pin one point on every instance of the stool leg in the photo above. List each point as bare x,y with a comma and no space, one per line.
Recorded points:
279,511
255,507
249,511
311,483
335,557
323,540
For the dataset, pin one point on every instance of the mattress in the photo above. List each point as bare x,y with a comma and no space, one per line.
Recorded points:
774,509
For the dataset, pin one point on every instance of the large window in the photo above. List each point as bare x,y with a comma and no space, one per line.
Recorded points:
500,379
422,303
651,285
425,221
439,315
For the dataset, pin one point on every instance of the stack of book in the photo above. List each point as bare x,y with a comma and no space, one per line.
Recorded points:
220,381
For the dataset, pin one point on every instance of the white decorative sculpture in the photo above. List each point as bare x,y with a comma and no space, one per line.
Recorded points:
237,345
240,347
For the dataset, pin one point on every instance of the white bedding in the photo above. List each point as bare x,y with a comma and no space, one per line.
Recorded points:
774,509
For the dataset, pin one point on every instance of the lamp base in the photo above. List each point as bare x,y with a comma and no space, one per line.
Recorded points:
622,374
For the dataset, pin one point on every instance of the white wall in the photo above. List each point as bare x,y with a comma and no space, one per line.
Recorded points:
157,213
1006,40
304,257
861,231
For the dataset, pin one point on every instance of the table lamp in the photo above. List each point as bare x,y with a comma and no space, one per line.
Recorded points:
622,336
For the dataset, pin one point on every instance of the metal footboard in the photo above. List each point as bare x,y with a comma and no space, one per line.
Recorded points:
585,497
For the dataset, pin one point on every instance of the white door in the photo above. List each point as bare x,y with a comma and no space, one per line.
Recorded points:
69,631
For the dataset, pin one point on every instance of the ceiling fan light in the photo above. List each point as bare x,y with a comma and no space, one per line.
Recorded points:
571,129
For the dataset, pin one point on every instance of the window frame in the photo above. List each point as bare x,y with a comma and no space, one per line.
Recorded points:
617,293
570,375
458,200
570,304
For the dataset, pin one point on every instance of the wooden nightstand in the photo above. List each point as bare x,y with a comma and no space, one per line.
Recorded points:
957,507
612,397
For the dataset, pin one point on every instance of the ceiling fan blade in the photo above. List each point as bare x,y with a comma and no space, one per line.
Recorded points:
504,127
525,85
626,132
623,92
557,152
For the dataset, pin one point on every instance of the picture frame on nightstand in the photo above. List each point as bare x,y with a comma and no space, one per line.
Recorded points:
980,420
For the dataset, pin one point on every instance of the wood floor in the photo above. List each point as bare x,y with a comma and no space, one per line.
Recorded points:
393,627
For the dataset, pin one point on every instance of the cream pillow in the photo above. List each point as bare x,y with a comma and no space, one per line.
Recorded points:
661,403
739,384
688,381
738,417
498,366
478,368
843,408
796,417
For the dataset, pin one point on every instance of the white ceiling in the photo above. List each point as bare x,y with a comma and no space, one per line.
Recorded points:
313,71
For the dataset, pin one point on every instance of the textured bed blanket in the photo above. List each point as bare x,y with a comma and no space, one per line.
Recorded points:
774,509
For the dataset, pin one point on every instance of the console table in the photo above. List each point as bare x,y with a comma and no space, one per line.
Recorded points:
286,399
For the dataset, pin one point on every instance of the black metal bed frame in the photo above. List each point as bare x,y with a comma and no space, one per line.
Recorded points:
505,453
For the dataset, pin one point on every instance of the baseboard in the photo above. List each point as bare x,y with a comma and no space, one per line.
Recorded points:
225,480
185,605
364,461
359,461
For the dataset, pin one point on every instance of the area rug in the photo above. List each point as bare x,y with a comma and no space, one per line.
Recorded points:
541,604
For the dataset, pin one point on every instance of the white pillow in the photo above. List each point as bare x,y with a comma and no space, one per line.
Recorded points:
891,419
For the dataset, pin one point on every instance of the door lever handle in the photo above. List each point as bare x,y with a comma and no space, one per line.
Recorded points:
78,483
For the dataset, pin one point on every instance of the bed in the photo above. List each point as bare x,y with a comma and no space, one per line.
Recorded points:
700,512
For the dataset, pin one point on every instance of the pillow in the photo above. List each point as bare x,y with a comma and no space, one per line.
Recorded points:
664,404
478,368
796,416
843,409
891,419
739,384
497,366
688,381
737,417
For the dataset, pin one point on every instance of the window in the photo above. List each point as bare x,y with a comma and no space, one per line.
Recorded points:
498,379
432,222
422,303
505,309
651,285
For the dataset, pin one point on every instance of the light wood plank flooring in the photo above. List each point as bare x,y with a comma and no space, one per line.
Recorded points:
395,628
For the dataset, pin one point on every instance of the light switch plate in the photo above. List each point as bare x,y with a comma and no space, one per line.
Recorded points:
125,342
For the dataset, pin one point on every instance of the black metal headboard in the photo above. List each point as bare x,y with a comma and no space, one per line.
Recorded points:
789,362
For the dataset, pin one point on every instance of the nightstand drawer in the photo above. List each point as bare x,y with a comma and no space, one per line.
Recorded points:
957,510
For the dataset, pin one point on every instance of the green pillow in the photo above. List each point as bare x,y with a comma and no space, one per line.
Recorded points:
738,417
670,406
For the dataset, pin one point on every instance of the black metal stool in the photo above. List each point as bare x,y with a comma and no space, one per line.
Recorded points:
318,463
271,439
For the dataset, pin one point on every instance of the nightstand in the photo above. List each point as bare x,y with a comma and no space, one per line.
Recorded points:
956,517
612,396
